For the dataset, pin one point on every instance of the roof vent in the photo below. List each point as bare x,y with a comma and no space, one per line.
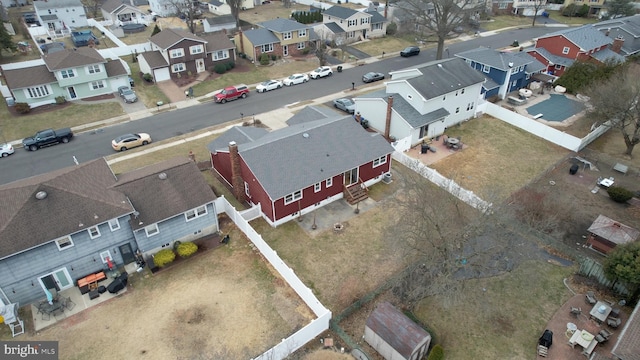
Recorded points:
440,65
40,195
510,64
136,214
305,135
162,176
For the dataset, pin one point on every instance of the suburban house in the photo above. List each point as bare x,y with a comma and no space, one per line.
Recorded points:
627,348
344,25
626,29
163,8
528,7
394,335
511,71
60,15
423,102
71,73
66,224
277,37
219,7
219,23
502,7
176,53
595,6
294,170
559,50
119,12
605,234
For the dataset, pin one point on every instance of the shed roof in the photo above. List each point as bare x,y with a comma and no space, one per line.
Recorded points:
396,329
613,231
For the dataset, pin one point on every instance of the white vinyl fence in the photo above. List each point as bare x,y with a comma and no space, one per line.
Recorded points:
314,328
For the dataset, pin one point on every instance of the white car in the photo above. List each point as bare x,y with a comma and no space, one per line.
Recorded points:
6,150
269,85
296,79
321,72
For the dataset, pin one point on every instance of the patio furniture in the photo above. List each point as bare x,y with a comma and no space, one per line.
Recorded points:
615,313
576,311
67,303
614,322
590,298
606,334
600,311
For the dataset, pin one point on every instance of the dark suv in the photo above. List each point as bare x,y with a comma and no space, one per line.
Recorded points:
410,51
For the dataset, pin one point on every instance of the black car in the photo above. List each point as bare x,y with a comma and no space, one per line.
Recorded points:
410,51
372,76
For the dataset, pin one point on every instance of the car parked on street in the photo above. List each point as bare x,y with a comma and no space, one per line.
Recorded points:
321,72
410,51
345,104
269,85
231,93
129,141
296,79
128,95
372,76
6,150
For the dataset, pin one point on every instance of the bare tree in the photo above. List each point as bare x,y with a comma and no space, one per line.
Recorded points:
286,3
189,10
537,5
93,6
439,16
616,103
235,6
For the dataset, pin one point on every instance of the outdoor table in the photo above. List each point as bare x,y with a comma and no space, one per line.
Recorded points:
621,168
582,338
600,311
453,141
606,182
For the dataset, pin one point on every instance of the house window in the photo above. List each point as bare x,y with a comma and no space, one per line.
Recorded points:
444,98
317,187
152,230
97,85
485,69
364,21
376,26
469,106
67,73
302,33
462,91
175,53
114,224
94,69
457,110
177,67
503,5
105,255
64,243
286,35
379,161
220,55
196,49
468,62
38,91
94,232
196,213
300,46
293,197
558,67
565,50
266,48
329,182
528,76
246,189
351,34
352,23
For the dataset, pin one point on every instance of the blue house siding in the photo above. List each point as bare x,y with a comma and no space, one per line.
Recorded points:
177,228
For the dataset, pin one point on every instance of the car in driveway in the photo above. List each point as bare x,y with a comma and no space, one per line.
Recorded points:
130,141
322,71
6,150
410,51
345,104
128,95
269,85
372,76
296,79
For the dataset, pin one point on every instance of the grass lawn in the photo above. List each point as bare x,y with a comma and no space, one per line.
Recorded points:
150,94
388,44
504,21
557,16
140,37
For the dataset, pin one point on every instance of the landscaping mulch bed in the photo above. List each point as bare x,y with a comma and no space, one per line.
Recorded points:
38,110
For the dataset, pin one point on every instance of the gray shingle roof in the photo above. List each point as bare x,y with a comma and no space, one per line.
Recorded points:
49,17
78,198
217,41
112,5
628,345
312,113
334,28
154,59
557,60
115,68
608,55
396,329
629,24
497,59
376,17
532,67
156,199
216,2
443,76
26,77
261,36
340,12
169,37
57,4
490,84
280,25
221,20
406,111
239,134
285,160
71,58
585,37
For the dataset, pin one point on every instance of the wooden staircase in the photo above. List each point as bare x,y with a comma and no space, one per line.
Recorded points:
356,193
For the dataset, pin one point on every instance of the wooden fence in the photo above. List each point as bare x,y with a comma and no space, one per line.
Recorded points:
593,269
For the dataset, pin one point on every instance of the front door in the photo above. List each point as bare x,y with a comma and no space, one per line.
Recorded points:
351,177
200,65
285,50
364,33
72,92
127,253
58,280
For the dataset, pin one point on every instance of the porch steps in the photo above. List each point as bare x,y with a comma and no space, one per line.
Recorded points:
356,193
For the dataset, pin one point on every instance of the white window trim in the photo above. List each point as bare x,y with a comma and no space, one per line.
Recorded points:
71,73
300,46
224,53
193,49
246,189
287,35
565,50
486,69
269,48
114,224
104,255
173,68
294,196
91,232
302,33
96,69
380,161
70,241
95,85
176,53
193,214
154,230
44,91
317,187
329,182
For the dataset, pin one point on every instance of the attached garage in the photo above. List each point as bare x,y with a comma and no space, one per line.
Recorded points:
152,62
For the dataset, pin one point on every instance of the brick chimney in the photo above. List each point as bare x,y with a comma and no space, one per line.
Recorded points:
387,124
617,44
241,40
236,173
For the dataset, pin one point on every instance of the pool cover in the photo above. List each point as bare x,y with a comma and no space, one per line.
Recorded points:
556,108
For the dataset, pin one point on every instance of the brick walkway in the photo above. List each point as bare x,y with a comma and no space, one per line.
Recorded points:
175,93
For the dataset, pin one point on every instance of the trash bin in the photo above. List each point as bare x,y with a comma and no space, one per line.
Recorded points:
573,169
339,68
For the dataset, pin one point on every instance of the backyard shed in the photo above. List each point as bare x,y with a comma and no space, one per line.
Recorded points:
605,234
394,335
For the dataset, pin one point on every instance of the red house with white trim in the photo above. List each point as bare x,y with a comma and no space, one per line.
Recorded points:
559,50
294,170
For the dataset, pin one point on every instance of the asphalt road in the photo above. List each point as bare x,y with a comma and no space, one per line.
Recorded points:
94,144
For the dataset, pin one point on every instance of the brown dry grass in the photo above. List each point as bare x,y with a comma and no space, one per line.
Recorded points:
270,11
388,44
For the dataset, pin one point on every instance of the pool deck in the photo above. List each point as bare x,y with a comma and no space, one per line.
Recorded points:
537,98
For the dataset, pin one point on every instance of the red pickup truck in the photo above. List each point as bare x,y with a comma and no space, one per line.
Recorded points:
232,93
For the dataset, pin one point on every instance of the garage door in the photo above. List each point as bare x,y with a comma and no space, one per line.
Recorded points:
161,74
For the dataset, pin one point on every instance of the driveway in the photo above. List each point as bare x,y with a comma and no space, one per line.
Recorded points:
133,107
357,53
